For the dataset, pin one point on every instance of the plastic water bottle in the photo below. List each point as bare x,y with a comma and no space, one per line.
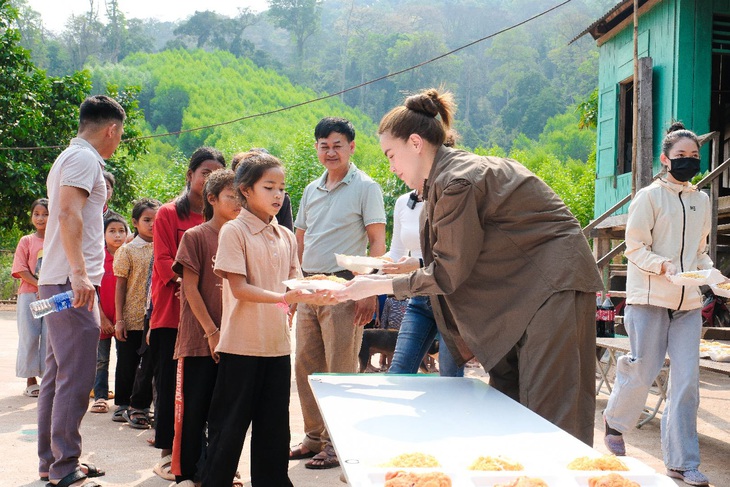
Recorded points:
59,302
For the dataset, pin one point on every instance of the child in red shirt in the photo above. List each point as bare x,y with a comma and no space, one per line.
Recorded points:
115,234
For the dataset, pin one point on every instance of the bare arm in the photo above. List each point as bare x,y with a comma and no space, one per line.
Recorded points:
190,281
243,291
300,243
28,277
120,298
71,229
376,238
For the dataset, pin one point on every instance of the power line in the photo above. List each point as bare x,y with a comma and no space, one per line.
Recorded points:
331,95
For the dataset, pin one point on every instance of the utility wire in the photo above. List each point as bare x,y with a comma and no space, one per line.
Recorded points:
325,97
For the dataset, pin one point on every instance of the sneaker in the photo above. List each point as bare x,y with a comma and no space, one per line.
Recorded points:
691,476
614,442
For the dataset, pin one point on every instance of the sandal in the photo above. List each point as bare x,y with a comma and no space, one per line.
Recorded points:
327,457
118,416
32,390
163,468
99,406
297,452
72,478
137,419
92,471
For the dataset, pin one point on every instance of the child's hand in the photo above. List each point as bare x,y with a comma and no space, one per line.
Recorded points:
120,331
212,344
316,298
107,326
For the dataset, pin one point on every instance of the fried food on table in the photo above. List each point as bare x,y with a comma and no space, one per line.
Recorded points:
611,480
413,460
606,462
495,464
411,479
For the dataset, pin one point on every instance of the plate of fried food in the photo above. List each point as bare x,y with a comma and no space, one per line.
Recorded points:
721,289
317,282
362,264
697,278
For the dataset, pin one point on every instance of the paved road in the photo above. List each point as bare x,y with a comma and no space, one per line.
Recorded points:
128,459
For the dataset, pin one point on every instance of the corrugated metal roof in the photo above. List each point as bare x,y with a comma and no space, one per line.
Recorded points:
618,7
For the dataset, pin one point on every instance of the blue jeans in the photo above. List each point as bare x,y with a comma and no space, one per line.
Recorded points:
417,332
653,334
101,383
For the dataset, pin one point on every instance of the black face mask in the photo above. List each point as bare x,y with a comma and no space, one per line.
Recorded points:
684,168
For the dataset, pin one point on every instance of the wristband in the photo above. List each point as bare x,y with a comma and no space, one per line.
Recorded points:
283,305
211,333
420,261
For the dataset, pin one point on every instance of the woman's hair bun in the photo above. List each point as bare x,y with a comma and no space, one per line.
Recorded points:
675,127
426,102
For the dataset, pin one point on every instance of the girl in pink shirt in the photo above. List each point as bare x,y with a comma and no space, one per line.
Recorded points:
255,254
31,331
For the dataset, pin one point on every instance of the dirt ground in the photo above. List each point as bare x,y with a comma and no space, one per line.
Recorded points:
128,459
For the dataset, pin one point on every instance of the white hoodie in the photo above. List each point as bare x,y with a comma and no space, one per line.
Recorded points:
667,222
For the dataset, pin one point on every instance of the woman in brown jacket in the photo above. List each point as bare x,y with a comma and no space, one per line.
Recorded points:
511,278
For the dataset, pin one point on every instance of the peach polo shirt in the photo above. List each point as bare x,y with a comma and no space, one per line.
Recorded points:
267,255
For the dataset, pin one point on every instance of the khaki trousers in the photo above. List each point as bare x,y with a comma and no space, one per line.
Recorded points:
552,369
327,341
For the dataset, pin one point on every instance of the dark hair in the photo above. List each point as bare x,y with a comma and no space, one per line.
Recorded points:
140,206
110,178
242,155
418,116
675,133
252,168
201,154
334,124
100,109
39,201
217,181
114,217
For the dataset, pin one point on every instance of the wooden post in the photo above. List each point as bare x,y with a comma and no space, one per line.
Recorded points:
644,121
635,125
714,196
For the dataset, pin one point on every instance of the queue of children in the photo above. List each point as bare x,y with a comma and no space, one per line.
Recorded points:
196,300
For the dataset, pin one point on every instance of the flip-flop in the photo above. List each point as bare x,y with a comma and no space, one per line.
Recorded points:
162,468
32,390
92,471
72,478
99,406
297,452
327,456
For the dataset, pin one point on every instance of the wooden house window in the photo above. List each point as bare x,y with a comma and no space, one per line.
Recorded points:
625,126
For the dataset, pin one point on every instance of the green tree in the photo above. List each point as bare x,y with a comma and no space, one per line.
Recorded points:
300,17
35,111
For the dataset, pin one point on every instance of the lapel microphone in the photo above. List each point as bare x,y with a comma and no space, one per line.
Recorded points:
412,200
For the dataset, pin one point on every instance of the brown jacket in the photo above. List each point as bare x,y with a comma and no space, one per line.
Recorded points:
497,242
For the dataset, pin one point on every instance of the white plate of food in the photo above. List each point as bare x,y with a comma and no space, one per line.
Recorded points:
361,264
317,282
721,289
697,278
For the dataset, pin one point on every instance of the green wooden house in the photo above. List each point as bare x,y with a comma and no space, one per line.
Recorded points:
688,46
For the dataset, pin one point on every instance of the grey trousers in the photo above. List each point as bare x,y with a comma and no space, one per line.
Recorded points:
73,337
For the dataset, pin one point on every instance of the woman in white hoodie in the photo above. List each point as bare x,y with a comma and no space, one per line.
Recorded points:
666,233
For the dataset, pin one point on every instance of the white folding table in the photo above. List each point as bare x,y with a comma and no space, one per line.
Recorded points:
373,418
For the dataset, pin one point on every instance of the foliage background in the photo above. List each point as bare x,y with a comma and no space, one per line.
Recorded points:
528,93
